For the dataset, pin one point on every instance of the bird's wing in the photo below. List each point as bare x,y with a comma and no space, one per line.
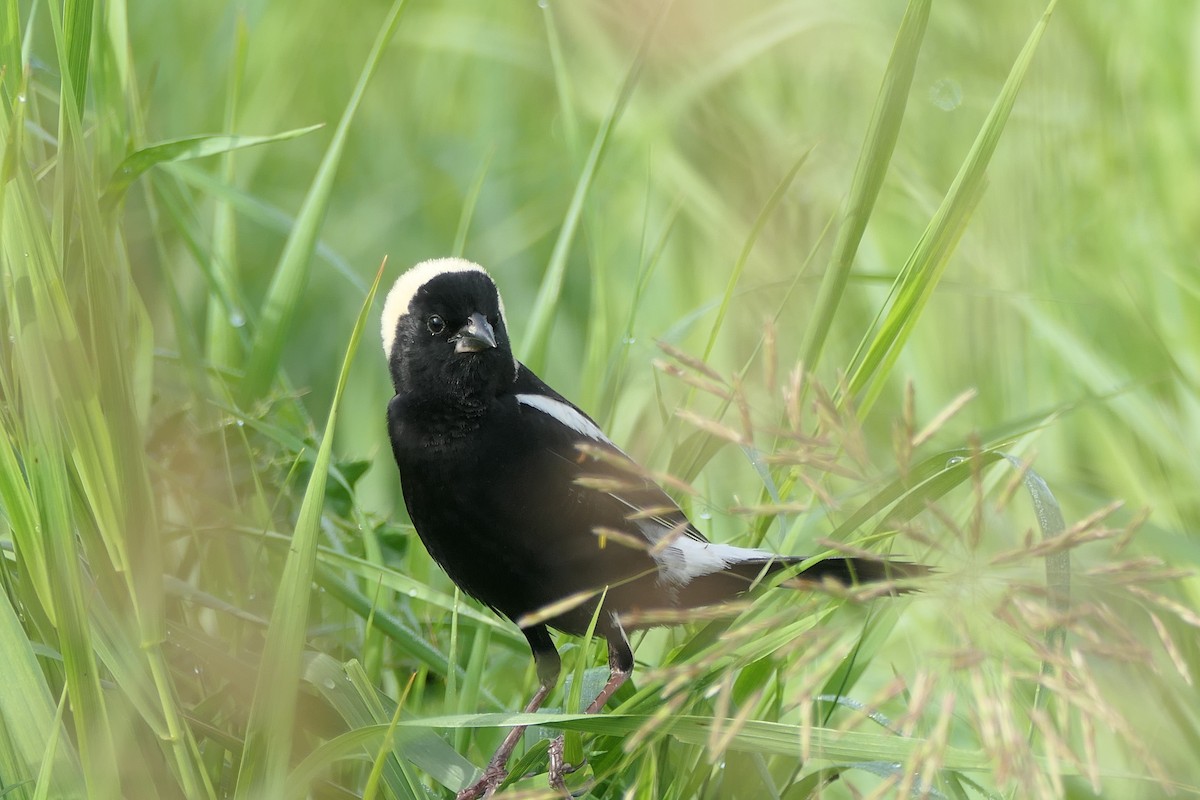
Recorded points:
597,465
600,464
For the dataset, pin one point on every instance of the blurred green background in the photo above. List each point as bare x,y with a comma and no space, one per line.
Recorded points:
1072,280
636,154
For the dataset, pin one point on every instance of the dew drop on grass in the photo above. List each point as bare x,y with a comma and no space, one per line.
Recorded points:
629,340
330,684
946,94
20,98
543,3
237,319
705,515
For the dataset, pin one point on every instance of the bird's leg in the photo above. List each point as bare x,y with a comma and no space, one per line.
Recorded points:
548,665
558,766
620,667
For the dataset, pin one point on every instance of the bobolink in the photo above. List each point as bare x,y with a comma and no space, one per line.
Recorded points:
511,488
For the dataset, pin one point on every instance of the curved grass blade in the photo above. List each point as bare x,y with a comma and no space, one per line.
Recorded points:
882,133
906,496
748,246
269,730
925,266
881,622
533,348
369,714
185,149
291,273
755,736
699,448
1058,570
258,211
395,581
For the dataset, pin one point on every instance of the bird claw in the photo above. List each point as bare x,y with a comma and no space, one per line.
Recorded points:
559,768
486,786
495,774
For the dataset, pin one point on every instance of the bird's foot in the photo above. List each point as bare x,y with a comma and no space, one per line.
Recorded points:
486,786
559,769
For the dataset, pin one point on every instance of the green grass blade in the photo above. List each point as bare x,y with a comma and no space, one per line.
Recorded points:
409,641
29,725
69,593
185,149
873,162
272,218
927,263
46,782
537,333
49,359
20,510
469,204
223,343
753,736
269,731
77,25
291,273
126,450
760,222
368,714
10,46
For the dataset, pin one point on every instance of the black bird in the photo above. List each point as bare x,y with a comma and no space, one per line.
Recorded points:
511,488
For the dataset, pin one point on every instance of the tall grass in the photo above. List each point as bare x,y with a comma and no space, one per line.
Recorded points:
908,278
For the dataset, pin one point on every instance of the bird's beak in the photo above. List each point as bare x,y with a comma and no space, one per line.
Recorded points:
475,336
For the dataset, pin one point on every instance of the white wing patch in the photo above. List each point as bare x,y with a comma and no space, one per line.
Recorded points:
686,559
567,415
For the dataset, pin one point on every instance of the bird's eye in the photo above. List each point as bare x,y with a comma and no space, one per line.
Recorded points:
435,324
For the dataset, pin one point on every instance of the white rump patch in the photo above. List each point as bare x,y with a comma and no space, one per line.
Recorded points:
566,414
686,559
402,291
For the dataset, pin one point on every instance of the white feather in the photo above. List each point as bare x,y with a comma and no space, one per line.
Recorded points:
565,414
686,559
402,291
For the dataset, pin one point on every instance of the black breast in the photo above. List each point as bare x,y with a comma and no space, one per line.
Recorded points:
496,504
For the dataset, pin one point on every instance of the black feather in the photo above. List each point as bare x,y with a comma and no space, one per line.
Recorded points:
510,485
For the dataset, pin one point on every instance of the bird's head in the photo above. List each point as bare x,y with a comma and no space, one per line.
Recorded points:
444,331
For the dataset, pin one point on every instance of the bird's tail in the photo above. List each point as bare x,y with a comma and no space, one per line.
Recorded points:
720,586
846,570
